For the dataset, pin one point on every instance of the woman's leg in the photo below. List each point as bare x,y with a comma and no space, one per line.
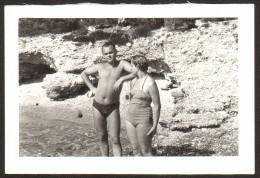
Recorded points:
144,140
131,132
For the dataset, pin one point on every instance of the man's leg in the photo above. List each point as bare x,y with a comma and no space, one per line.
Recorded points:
101,127
114,132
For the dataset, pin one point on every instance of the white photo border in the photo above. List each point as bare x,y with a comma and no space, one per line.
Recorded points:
244,163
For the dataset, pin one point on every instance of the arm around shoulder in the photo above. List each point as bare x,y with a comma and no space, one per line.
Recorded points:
126,65
132,73
130,69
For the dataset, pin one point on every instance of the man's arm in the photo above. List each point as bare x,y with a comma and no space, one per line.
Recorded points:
132,74
85,76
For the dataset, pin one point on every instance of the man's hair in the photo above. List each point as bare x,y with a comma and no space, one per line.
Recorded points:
140,62
109,43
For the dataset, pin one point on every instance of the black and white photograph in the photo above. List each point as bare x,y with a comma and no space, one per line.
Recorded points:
173,89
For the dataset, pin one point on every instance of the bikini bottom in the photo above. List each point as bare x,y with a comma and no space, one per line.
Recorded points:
105,110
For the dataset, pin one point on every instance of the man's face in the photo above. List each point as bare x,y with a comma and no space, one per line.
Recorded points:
109,53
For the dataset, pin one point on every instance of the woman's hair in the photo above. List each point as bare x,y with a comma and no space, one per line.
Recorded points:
140,62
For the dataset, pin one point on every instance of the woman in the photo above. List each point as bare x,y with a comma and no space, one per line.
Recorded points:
141,123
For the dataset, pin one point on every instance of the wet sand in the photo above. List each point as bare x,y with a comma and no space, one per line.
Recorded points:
58,131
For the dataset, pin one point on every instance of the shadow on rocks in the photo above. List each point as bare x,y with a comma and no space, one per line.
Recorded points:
185,150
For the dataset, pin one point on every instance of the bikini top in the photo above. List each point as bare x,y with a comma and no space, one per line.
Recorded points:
140,97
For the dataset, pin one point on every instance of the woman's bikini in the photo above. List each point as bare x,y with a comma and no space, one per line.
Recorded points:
140,110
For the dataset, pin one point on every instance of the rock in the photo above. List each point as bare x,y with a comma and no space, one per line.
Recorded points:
177,92
35,58
60,86
63,56
172,81
129,44
185,122
73,65
91,28
76,61
179,23
159,67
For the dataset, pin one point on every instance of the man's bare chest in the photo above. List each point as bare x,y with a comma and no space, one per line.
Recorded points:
110,73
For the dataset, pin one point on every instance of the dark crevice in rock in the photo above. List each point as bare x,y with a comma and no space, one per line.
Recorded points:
189,129
36,58
67,95
75,71
163,124
29,73
196,111
29,81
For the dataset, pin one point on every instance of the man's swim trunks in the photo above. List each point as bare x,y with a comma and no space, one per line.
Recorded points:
105,110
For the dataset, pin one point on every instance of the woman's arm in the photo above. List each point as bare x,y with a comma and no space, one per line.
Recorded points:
85,76
154,93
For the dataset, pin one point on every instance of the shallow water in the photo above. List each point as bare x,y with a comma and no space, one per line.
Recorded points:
57,131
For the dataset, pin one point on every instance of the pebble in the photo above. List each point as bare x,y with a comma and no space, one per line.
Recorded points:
80,115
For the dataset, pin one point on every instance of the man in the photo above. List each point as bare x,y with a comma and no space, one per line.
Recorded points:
106,101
